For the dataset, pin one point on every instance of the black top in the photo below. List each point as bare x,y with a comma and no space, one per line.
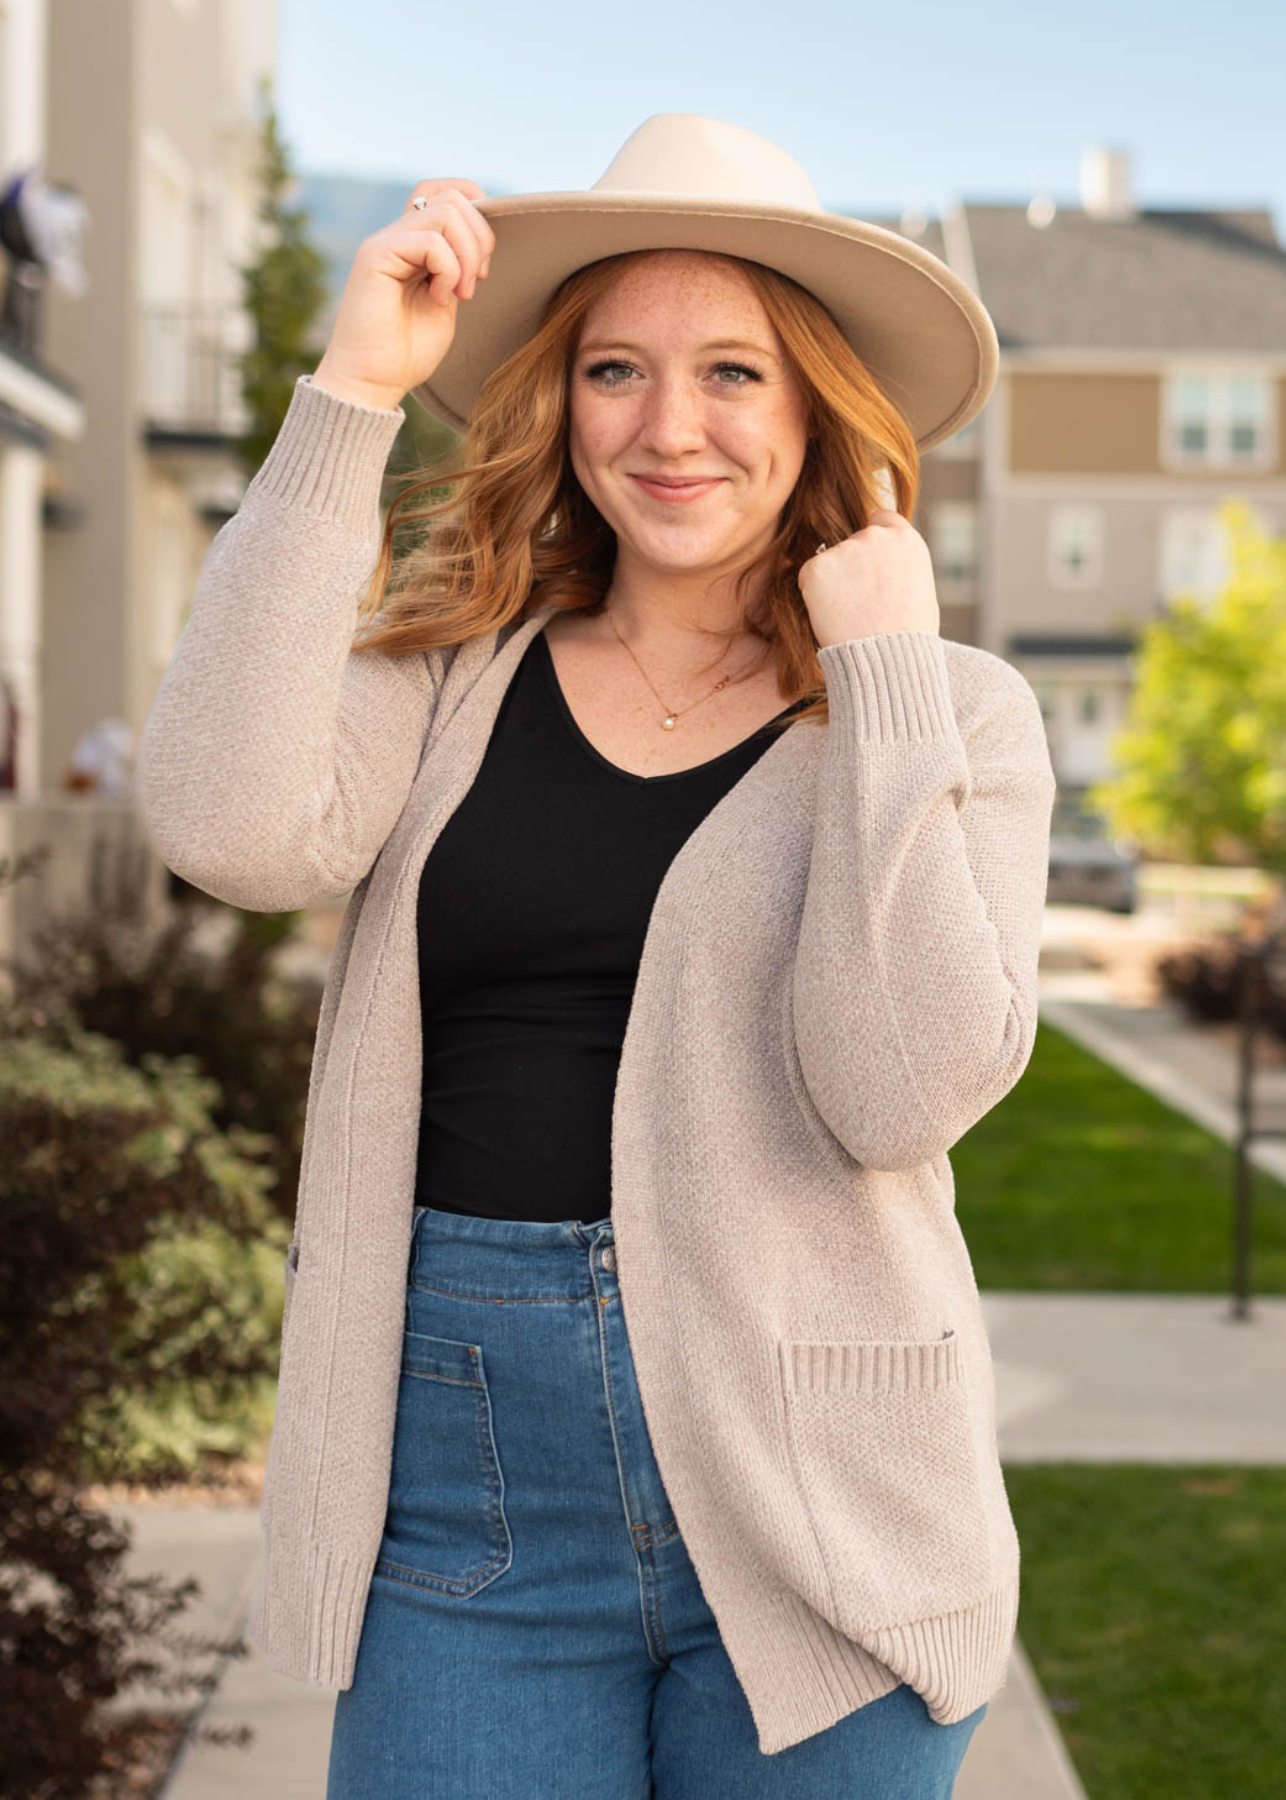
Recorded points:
531,913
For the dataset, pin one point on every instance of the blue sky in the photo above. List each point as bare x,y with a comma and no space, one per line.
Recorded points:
908,105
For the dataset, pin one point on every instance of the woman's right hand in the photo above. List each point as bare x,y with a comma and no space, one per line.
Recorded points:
396,316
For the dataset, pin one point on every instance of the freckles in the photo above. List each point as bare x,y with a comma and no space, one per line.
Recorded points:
594,438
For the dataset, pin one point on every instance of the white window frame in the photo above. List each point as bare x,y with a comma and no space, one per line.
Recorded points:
1222,380
1067,520
1214,571
951,519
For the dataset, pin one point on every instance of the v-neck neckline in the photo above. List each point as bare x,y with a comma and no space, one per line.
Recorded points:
546,657
485,668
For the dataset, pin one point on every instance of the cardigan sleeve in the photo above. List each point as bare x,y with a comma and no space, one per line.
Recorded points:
275,760
914,983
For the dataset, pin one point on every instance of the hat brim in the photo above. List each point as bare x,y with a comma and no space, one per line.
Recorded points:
921,331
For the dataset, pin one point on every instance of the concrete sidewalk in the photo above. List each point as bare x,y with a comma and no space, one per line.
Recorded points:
1096,1377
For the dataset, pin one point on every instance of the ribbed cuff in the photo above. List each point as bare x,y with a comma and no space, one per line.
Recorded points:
888,688
329,457
307,1611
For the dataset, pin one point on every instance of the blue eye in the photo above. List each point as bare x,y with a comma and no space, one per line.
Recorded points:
597,370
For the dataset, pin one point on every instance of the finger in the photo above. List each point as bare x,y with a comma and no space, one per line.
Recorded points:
453,216
438,251
451,193
484,236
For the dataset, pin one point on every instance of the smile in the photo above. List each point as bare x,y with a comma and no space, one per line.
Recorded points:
688,490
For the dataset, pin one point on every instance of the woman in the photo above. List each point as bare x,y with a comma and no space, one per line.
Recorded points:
635,1429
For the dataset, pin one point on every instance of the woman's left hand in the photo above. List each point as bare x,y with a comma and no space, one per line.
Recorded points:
880,579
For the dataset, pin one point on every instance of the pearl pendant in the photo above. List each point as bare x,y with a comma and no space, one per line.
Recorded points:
667,724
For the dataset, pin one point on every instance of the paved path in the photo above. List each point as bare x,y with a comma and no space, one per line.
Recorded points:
1097,1377
1165,1378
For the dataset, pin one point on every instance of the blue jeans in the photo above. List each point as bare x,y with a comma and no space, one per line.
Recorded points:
534,1628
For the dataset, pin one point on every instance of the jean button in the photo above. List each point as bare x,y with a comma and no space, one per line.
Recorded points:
609,1259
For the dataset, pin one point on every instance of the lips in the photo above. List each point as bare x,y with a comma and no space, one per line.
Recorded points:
676,490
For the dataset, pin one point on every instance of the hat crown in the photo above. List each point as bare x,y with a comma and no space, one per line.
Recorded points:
710,159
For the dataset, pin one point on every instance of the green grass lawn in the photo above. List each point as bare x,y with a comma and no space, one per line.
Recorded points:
1080,1179
1151,1608
1152,1603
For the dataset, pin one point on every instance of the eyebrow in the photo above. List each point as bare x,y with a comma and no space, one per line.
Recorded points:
715,344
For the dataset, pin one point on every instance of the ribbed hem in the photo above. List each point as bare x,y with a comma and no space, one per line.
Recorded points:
889,688
329,457
802,1676
308,1609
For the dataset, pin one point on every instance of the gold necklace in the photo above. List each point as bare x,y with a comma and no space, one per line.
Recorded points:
671,714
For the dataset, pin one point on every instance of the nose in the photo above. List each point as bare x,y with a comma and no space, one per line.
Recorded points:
673,420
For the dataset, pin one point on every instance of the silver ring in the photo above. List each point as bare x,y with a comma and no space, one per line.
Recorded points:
420,202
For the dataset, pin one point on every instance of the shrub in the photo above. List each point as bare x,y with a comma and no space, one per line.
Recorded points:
1206,980
152,989
140,1293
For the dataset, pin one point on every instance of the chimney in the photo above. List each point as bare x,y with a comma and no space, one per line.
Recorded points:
1105,183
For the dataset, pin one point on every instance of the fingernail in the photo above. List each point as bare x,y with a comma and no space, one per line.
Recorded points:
486,265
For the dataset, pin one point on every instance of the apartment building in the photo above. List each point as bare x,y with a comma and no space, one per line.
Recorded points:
41,407
1142,383
118,418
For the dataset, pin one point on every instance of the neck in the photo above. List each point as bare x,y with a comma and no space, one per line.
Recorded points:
678,616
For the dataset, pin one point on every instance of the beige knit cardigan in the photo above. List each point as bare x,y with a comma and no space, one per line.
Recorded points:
838,980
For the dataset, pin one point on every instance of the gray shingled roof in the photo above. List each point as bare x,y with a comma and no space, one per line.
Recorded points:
1163,280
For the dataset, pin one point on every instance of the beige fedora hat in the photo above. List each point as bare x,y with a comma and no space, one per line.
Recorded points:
682,181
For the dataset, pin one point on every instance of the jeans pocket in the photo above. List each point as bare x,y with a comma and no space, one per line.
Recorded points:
882,1442
445,1526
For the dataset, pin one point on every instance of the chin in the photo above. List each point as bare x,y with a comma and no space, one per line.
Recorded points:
684,562
683,546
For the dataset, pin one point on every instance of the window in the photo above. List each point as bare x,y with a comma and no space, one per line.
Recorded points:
1194,561
954,545
1075,546
1219,419
1247,415
1194,553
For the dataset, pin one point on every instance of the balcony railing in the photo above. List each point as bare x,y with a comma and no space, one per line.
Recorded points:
191,383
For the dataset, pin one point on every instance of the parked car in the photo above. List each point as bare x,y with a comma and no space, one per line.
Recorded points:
1086,864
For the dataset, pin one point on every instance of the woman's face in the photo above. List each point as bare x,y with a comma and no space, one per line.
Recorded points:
658,389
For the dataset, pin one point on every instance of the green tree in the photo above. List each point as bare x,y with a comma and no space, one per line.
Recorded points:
283,291
1200,767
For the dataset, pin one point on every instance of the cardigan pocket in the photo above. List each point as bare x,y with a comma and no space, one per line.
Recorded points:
445,1527
884,1454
